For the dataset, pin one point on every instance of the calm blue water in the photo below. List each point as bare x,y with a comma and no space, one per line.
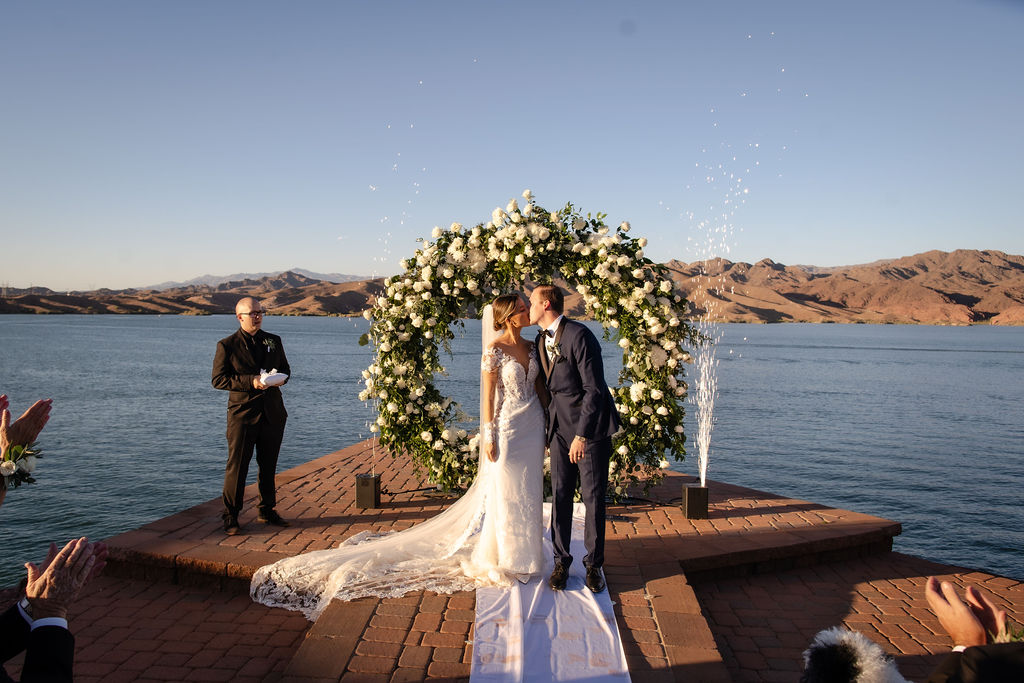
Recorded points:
918,424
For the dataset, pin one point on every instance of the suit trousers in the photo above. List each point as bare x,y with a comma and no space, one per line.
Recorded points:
592,474
265,437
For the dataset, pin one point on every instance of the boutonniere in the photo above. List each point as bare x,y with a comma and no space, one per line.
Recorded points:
555,350
269,343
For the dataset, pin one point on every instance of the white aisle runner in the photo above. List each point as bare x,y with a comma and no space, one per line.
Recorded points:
531,633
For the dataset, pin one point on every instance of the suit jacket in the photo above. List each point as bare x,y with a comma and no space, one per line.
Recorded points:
982,663
580,401
237,363
49,650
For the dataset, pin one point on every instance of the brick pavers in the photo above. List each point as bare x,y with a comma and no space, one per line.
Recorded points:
762,623
127,630
175,604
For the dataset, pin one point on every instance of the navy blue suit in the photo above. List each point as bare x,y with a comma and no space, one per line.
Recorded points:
581,405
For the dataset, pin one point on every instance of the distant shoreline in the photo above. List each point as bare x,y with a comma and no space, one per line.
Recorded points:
960,288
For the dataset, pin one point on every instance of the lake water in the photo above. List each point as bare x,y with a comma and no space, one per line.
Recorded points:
914,423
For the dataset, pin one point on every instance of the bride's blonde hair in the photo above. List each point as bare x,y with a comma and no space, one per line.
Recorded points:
502,308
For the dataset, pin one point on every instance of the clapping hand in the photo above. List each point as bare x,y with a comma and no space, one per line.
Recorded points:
26,428
53,586
967,624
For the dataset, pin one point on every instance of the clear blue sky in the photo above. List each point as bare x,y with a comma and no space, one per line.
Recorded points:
150,141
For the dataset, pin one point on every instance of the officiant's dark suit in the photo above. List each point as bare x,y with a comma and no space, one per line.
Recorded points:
256,414
581,409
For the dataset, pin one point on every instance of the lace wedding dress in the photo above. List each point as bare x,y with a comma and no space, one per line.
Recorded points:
491,536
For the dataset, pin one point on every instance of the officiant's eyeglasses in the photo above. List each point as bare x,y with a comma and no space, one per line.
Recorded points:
253,314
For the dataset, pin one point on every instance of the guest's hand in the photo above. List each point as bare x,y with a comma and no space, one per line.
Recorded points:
26,428
577,450
53,587
967,625
257,383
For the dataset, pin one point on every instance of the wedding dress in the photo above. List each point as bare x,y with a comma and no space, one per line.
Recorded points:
491,536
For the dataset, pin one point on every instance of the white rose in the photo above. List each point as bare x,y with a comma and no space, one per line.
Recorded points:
662,410
498,215
623,450
633,421
368,314
624,343
512,207
642,242
436,232
647,410
392,407
455,227
679,429
427,436
624,227
527,195
656,394
519,259
579,224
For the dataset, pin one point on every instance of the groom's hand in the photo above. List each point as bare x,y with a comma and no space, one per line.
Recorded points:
577,449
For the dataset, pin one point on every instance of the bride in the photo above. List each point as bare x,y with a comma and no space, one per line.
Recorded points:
491,536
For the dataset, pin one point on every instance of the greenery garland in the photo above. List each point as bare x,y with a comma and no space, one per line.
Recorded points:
462,270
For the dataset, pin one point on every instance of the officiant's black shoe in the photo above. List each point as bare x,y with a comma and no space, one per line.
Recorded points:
231,526
271,517
595,579
559,578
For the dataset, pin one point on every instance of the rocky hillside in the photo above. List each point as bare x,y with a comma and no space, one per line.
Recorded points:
958,288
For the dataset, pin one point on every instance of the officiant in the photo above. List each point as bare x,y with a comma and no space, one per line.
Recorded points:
250,364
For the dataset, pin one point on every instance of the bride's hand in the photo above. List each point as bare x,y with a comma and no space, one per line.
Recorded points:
492,452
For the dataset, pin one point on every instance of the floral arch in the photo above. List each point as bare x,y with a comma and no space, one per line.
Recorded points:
460,270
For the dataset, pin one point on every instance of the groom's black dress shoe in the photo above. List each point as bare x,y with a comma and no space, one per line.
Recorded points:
231,526
559,578
271,517
595,579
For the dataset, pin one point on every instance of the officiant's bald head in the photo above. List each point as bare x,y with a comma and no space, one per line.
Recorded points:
249,314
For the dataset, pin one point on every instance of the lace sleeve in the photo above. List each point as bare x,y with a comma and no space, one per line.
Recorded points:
490,361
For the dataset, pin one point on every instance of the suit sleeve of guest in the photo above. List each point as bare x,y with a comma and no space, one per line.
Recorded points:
999,662
225,376
49,650
13,633
49,655
591,370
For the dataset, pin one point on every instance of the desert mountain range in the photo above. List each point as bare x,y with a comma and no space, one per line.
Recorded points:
962,287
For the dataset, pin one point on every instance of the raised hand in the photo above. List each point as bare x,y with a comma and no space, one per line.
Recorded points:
966,625
53,586
26,428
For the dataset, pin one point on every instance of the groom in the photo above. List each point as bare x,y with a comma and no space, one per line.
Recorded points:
581,421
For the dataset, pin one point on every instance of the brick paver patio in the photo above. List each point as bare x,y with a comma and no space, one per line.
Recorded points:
736,597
